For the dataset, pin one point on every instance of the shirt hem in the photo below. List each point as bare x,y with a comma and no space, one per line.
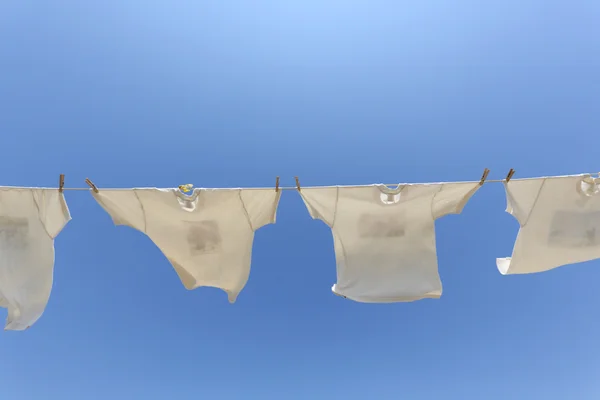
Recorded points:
396,299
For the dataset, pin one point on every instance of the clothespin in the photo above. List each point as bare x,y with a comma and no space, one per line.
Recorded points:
91,184
186,188
484,177
510,175
297,183
277,184
61,183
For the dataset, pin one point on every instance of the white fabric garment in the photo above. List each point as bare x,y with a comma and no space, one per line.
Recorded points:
207,236
384,238
30,219
559,220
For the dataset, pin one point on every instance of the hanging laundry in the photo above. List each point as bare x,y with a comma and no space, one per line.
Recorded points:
207,236
384,238
30,220
559,220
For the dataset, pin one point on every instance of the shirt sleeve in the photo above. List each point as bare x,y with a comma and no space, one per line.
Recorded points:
261,206
53,211
321,203
452,198
521,196
123,206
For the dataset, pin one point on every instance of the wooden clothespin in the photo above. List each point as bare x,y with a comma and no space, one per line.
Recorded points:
61,183
297,183
484,176
510,175
91,184
277,184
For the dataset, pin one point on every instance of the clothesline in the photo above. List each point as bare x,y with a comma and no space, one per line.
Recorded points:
92,186
281,188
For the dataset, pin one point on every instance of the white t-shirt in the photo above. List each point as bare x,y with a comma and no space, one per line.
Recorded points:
30,219
559,220
384,238
207,236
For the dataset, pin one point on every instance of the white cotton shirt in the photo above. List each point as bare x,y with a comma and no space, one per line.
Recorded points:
207,236
559,220
384,238
30,219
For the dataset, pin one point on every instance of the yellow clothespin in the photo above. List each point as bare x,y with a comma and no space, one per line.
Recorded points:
297,183
186,188
91,184
510,175
277,184
484,177
61,183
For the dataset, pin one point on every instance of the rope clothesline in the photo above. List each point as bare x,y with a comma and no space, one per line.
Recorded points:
93,187
263,188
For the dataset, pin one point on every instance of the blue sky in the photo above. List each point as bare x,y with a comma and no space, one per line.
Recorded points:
232,94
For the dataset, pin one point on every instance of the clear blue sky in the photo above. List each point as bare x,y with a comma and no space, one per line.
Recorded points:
231,94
